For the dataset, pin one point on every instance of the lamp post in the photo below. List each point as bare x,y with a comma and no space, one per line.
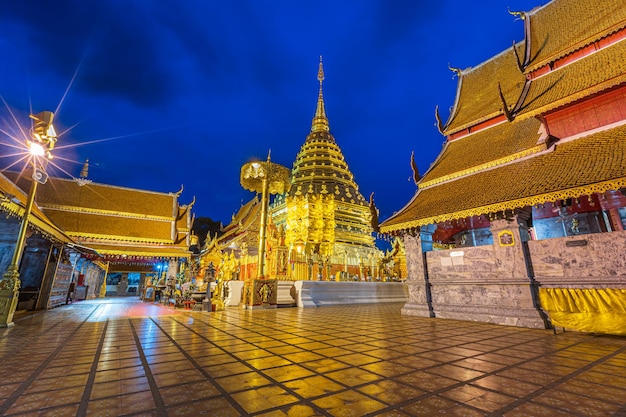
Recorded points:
40,144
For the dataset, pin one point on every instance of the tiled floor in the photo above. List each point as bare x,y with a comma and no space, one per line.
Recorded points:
117,357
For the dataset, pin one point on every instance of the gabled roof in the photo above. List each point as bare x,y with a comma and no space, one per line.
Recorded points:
13,201
506,165
247,220
478,97
99,215
107,199
564,26
136,253
98,226
484,147
594,73
592,164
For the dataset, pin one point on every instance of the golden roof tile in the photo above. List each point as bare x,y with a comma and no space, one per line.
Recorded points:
599,71
246,220
243,216
13,201
184,219
594,163
564,26
482,147
140,251
107,198
478,97
110,227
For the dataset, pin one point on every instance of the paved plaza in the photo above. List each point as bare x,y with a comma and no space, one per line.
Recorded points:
122,357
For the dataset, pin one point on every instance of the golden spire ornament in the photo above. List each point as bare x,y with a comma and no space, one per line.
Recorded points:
320,121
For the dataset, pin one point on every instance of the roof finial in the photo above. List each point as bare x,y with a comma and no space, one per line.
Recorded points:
85,171
519,15
457,71
320,121
320,72
82,178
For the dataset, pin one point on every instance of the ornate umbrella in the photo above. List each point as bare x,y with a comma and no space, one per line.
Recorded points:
265,178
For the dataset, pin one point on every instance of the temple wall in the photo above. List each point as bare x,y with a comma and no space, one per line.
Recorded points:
323,293
234,292
585,261
485,283
477,285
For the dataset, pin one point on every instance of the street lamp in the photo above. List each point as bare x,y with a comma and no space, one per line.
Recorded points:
41,142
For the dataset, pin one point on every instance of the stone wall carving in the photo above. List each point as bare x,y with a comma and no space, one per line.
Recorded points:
584,261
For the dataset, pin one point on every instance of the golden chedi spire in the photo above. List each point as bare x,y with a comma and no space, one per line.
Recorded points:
320,121
320,167
324,206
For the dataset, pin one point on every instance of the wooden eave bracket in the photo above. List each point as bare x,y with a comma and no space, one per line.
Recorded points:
520,66
416,174
505,108
440,125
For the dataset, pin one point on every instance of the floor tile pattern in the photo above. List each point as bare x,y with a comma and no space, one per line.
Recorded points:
122,357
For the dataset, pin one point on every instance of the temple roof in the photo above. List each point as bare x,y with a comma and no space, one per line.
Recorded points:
95,214
13,201
131,253
594,73
80,224
564,26
484,147
594,163
478,96
320,167
246,220
506,163
107,199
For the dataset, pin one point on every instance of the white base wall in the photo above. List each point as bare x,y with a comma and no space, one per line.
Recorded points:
322,293
235,291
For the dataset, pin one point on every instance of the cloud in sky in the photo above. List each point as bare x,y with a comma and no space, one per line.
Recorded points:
190,90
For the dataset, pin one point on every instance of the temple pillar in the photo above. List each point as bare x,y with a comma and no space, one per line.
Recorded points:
510,243
615,219
48,278
419,302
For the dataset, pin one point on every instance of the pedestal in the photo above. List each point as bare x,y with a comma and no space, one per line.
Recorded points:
260,293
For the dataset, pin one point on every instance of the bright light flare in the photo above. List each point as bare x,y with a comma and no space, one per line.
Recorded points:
36,149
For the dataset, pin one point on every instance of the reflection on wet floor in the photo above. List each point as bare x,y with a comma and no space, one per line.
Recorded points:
115,357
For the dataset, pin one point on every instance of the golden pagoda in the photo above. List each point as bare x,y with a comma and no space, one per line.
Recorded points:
320,229
327,221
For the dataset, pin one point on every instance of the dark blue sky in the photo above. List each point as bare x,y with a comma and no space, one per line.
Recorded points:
189,90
